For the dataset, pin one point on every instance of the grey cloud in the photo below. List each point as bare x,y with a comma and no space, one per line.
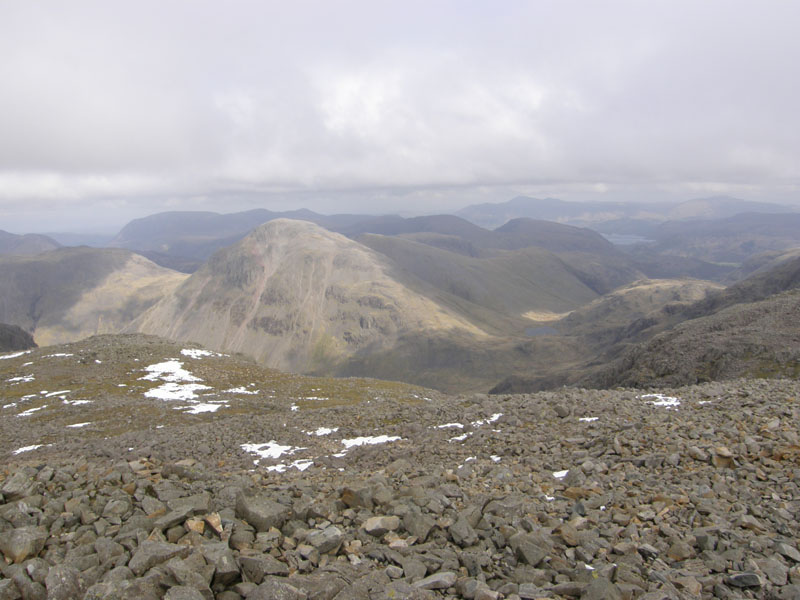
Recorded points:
141,106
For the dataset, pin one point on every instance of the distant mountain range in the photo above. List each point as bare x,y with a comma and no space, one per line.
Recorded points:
436,300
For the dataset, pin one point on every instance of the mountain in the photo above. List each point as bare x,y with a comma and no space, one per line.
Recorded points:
23,245
185,239
14,338
298,297
723,207
70,293
733,240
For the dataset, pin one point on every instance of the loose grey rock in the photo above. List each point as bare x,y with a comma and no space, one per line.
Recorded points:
255,568
327,540
380,525
261,512
64,583
151,553
745,580
22,543
437,581
275,589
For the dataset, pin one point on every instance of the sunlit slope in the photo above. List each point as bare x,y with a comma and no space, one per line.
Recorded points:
298,297
71,293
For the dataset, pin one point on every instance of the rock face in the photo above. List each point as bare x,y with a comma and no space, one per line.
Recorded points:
14,338
297,297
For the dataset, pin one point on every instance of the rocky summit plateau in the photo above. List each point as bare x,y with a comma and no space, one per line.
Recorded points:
135,467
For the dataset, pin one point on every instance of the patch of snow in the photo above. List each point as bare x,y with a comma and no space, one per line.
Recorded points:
314,398
460,438
170,371
27,364
589,567
122,385
662,400
10,405
30,411
491,419
495,458
14,355
271,449
701,402
176,391
300,464
369,440
198,353
240,390
78,425
99,362
549,498
323,431
76,402
58,393
201,407
159,427
560,474
588,419
58,355
26,449
294,407
449,426
21,379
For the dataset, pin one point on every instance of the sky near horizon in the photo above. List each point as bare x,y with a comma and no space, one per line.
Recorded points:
113,110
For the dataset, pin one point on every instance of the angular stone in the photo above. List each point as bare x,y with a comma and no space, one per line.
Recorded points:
9,590
378,526
255,568
462,533
529,549
261,512
418,524
220,556
275,589
183,592
22,543
601,589
680,551
151,553
327,540
745,580
788,551
19,485
775,571
438,581
64,583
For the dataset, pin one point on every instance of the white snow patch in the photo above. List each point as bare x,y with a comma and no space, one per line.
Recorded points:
201,407
314,398
588,419
460,438
449,426
79,425
198,353
99,362
470,459
369,440
26,449
30,411
271,449
491,419
159,427
294,407
495,458
662,400
323,431
549,498
122,385
701,402
58,393
170,371
176,391
58,355
27,364
301,465
240,390
10,405
21,379
76,402
560,474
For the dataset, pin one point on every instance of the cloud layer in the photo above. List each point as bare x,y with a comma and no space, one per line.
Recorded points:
120,109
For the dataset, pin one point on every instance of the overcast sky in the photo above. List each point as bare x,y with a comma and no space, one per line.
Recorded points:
111,110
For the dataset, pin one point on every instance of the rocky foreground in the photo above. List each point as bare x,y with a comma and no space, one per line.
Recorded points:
116,486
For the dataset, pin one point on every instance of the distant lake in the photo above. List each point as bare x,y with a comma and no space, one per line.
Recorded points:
624,239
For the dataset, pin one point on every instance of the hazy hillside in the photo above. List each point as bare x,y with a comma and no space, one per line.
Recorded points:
732,240
298,297
28,244
184,239
70,293
14,338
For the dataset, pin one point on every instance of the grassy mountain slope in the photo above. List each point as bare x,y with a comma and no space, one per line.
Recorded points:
70,293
